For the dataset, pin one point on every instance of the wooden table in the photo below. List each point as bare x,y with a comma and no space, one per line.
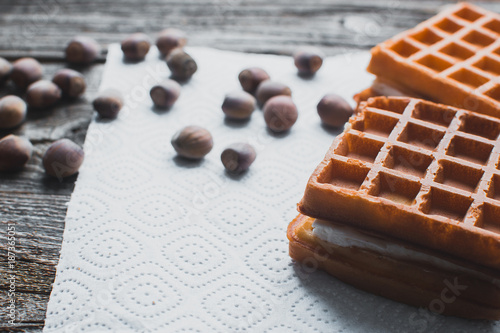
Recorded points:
35,203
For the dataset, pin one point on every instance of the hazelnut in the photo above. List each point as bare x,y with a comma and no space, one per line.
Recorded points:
238,105
333,110
268,89
136,46
15,152
71,83
63,158
12,111
250,78
181,65
238,157
280,113
108,103
42,94
5,70
165,94
170,39
25,71
308,60
82,50
192,142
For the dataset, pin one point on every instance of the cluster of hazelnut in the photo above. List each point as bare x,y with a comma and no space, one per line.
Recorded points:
64,157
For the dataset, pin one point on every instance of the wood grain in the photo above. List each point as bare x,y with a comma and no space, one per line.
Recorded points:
35,203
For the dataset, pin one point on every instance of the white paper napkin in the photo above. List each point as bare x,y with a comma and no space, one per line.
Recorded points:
155,243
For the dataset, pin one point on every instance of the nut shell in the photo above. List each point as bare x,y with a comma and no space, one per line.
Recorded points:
333,110
5,70
170,39
15,152
250,78
165,94
42,94
82,50
308,60
238,105
12,111
71,83
192,142
108,103
63,158
181,64
136,46
280,113
238,157
25,71
268,89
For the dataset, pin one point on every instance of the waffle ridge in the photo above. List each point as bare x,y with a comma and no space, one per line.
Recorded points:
419,171
453,58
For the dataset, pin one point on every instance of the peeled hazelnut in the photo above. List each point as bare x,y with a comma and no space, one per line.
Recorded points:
333,110
15,152
250,78
108,103
136,46
82,50
170,39
268,89
71,83
165,94
42,94
12,111
238,105
181,65
25,71
280,113
238,157
63,158
192,142
308,60
5,70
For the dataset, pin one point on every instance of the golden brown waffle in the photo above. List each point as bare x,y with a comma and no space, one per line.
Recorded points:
452,58
418,171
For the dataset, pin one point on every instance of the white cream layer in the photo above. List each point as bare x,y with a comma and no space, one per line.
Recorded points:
346,236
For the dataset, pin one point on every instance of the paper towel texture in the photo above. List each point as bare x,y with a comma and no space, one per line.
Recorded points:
157,244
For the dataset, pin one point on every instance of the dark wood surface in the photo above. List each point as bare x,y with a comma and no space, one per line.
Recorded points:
35,203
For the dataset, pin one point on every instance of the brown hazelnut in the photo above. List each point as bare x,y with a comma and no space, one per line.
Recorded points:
250,78
12,111
25,71
238,105
308,60
63,158
280,113
238,157
108,103
42,94
333,110
15,152
268,89
136,46
192,142
170,39
181,65
71,83
82,50
5,70
165,94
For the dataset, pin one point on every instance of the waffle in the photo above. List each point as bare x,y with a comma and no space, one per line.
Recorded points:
417,171
452,58
414,282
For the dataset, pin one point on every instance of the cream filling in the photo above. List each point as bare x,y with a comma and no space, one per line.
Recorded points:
346,236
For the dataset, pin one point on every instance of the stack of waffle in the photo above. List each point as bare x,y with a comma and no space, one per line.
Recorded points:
406,203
